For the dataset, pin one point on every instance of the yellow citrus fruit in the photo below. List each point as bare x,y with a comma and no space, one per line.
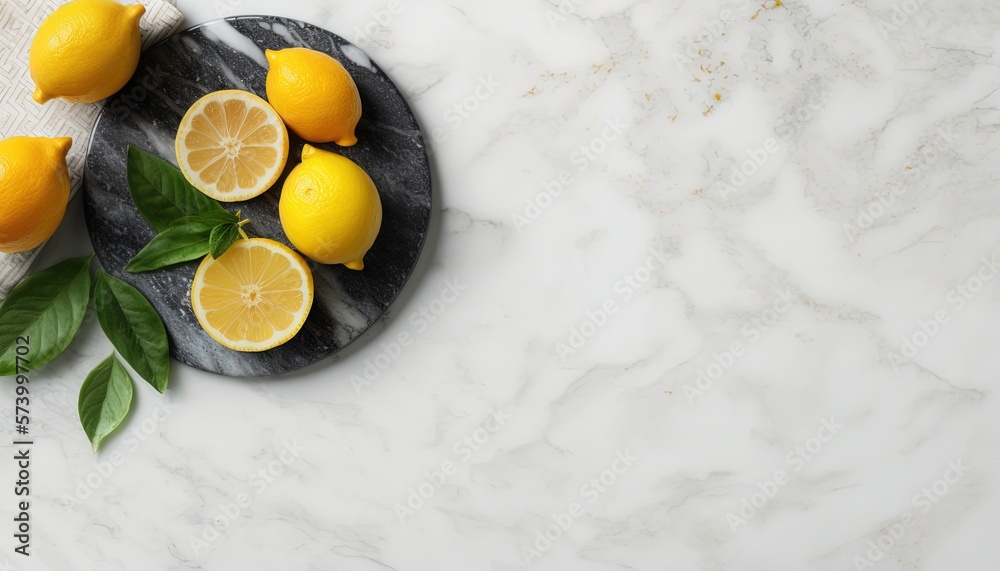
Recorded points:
231,145
34,190
314,94
330,209
85,50
255,297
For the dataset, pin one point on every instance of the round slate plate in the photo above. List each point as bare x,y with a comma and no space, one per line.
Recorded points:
229,54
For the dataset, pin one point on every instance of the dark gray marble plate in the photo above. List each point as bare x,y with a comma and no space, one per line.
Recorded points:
229,54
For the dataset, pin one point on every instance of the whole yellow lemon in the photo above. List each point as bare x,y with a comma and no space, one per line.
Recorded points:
330,209
34,190
85,50
314,94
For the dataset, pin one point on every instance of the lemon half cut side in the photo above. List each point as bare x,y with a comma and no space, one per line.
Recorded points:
232,145
254,297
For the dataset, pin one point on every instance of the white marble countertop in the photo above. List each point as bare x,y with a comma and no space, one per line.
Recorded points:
710,286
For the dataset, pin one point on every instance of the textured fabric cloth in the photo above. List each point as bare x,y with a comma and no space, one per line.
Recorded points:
20,115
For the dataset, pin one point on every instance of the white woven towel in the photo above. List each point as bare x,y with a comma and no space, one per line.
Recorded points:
20,115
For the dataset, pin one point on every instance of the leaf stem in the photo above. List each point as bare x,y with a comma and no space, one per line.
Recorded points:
240,226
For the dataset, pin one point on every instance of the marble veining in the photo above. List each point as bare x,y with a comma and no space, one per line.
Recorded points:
708,286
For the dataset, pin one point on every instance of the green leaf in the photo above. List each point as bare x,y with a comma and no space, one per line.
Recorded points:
184,240
161,192
47,309
179,243
105,398
134,328
223,237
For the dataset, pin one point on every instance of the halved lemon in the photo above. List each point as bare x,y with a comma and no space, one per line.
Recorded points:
255,297
232,145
